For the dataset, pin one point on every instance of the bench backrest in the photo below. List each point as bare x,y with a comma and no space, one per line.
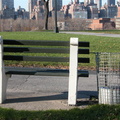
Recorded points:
29,50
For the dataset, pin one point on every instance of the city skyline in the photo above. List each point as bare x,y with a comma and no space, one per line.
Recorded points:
24,3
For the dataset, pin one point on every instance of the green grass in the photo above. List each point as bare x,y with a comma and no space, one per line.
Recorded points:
97,43
95,112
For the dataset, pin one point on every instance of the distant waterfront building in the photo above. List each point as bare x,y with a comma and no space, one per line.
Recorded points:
6,9
117,23
75,10
21,13
31,4
76,1
6,3
87,2
36,10
109,11
112,11
99,4
52,3
110,2
100,24
92,11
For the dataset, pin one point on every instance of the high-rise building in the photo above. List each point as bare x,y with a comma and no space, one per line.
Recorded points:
52,4
6,4
86,2
76,1
99,3
31,4
6,9
110,2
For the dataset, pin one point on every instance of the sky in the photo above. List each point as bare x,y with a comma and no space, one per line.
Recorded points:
24,3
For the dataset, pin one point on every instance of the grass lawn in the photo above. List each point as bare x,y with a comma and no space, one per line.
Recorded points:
97,43
95,112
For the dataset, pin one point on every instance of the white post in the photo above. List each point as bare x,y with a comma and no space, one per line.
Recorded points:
73,75
3,79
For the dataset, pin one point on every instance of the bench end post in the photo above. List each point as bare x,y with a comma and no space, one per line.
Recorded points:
3,80
73,75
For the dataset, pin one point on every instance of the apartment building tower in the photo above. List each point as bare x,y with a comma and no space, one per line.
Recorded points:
87,2
6,9
6,3
99,4
52,3
31,4
110,2
76,1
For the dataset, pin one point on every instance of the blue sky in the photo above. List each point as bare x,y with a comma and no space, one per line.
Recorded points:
24,3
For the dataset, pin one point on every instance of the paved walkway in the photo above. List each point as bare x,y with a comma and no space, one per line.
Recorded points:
90,33
45,93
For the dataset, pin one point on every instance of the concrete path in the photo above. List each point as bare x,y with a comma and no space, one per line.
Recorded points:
90,33
45,93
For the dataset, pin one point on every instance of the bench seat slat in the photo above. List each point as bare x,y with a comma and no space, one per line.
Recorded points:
36,50
83,51
36,58
42,71
42,58
83,60
84,44
42,50
36,42
42,43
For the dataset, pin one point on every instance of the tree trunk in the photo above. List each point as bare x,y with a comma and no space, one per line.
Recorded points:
46,4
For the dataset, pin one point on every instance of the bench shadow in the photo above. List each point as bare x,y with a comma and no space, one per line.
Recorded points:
62,96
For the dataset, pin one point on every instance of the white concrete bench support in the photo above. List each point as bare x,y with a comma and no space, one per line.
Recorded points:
73,75
3,77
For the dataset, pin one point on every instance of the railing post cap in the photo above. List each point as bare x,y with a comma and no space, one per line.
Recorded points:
74,41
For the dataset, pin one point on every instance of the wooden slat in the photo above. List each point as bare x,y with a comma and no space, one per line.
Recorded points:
36,50
83,73
42,58
42,50
36,71
83,60
84,44
35,58
35,42
42,71
42,43
83,51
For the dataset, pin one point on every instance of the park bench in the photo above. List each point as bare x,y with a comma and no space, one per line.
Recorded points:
24,50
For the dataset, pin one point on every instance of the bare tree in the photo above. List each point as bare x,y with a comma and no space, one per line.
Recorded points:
109,26
46,4
76,24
